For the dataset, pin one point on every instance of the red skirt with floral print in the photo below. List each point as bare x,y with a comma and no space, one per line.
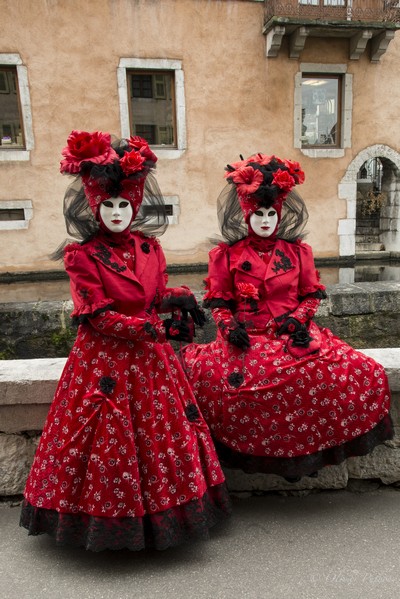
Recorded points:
125,458
270,411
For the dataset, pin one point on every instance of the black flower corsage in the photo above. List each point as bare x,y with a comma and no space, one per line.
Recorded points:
84,292
301,338
145,247
192,413
235,379
107,384
246,266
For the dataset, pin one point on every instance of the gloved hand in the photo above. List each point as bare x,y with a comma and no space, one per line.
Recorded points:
239,337
197,314
297,332
183,299
179,330
290,326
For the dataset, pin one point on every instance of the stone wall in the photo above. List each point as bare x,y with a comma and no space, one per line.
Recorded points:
363,314
27,388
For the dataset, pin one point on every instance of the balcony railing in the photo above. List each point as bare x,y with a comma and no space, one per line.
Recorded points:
351,10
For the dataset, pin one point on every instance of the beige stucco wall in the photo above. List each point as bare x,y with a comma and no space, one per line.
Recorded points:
237,102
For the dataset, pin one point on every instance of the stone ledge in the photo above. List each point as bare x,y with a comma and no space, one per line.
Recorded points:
28,385
363,314
27,388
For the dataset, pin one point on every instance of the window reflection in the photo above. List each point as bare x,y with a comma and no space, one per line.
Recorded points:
151,105
320,110
11,132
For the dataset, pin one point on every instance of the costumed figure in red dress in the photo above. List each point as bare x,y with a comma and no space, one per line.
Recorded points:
125,459
280,394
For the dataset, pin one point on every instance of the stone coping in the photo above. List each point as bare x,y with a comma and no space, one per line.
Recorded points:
18,377
27,388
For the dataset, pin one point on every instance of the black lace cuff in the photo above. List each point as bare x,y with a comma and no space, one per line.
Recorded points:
319,294
83,318
218,302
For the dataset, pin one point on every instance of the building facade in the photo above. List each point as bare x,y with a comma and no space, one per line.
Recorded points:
316,81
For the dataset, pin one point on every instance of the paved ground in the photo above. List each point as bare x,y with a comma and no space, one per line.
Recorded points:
330,545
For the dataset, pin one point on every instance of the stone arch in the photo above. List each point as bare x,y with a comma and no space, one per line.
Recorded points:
390,215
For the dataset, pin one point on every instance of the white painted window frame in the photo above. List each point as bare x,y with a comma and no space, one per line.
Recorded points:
26,110
174,201
346,109
158,64
26,205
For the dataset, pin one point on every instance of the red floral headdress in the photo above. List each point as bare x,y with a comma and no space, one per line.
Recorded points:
103,170
262,179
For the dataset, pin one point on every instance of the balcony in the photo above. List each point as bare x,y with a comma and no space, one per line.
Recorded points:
365,23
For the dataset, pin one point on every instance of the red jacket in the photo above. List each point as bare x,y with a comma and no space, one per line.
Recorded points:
100,278
289,275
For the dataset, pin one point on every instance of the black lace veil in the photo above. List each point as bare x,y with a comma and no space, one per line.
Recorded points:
232,225
81,225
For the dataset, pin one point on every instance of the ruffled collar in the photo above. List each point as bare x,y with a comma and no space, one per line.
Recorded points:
261,244
122,239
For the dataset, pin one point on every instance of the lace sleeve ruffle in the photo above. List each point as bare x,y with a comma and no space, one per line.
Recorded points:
92,309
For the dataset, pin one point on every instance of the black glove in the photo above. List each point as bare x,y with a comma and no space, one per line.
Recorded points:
290,327
188,304
301,338
239,337
297,332
197,314
178,330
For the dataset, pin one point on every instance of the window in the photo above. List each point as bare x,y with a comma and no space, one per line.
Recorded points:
323,103
151,106
16,136
152,103
15,214
320,110
171,208
11,129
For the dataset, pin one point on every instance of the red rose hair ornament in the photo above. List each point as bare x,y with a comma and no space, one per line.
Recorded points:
263,180
107,172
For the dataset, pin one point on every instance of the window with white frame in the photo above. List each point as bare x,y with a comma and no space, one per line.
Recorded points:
323,109
152,103
172,209
16,135
15,214
320,110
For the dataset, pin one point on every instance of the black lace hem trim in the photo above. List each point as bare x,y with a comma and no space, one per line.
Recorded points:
153,531
218,302
309,464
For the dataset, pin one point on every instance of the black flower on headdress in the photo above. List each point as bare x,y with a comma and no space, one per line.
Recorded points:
246,266
145,247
